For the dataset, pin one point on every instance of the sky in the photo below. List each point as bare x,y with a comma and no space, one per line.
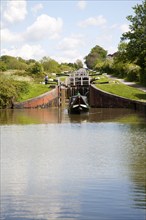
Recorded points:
62,30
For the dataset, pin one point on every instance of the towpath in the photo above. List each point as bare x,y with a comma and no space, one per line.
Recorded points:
132,84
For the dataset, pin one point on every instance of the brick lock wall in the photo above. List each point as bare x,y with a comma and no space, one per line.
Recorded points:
46,100
101,99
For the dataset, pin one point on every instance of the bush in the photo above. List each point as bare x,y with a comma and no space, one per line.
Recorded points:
11,90
7,92
107,67
99,65
118,69
35,69
143,77
3,66
133,73
20,73
21,87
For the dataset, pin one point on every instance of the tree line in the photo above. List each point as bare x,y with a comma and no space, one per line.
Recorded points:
13,85
130,60
31,66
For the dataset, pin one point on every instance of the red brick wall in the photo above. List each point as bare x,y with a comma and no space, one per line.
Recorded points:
48,99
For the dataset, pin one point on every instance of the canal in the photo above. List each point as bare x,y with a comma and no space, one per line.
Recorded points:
60,166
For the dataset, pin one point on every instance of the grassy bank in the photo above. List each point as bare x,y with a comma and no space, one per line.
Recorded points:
34,90
18,89
120,89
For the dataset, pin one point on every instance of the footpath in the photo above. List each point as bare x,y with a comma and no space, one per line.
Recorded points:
132,84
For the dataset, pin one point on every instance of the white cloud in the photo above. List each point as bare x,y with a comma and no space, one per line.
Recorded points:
107,41
69,57
124,28
93,21
112,49
71,53
45,26
105,37
114,26
69,43
9,37
15,11
26,51
82,4
69,48
37,8
2,25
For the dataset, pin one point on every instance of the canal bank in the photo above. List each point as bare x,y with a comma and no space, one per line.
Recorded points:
101,99
46,100
97,99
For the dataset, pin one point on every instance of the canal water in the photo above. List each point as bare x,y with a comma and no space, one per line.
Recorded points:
81,167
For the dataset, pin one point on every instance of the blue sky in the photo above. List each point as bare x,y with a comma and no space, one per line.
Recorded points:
62,30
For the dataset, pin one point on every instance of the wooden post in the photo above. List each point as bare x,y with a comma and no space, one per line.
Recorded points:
59,93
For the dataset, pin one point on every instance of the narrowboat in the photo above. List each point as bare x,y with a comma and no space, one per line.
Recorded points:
78,104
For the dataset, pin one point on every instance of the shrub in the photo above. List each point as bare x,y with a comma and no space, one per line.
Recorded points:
133,73
11,90
119,69
35,68
7,92
143,77
3,66
107,67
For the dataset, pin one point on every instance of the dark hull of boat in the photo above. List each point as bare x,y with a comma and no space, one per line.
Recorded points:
78,105
78,110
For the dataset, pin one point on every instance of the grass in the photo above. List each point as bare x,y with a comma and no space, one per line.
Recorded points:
103,82
103,79
62,79
123,90
34,91
25,87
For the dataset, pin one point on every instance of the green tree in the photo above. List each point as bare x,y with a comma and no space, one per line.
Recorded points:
65,67
96,55
50,65
136,37
30,61
79,63
121,53
3,66
14,63
35,68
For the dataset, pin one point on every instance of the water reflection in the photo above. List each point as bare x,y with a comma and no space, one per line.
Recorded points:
60,115
30,116
56,166
137,164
